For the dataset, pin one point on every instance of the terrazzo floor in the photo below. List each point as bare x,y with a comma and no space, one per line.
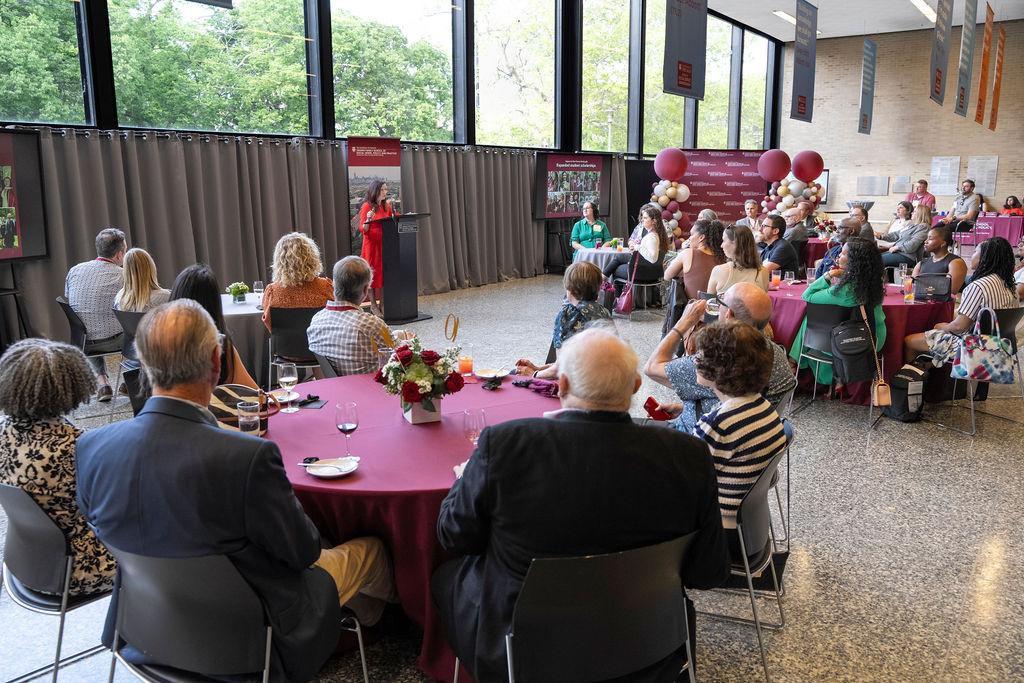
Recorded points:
904,538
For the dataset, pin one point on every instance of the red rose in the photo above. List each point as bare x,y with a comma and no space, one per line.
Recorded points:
430,357
379,377
404,355
410,392
454,382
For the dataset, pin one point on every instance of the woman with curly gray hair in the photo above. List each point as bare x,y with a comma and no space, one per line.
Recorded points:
297,280
41,381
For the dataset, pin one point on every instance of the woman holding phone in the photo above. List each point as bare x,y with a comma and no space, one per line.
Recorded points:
376,207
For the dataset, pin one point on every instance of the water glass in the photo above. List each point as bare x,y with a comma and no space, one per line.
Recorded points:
288,377
473,422
257,288
903,272
790,277
248,417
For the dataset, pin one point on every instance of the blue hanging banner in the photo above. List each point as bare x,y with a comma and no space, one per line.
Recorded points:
940,49
804,54
963,83
686,42
867,86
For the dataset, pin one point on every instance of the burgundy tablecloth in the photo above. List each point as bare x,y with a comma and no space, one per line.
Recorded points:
404,473
901,319
1010,228
816,248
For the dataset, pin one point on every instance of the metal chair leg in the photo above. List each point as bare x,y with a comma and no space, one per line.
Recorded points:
689,650
358,629
753,603
508,653
455,676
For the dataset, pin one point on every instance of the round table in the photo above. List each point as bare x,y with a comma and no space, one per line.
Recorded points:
816,248
404,473
244,324
601,257
901,319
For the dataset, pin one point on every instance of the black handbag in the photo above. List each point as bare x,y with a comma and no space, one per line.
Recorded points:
676,305
933,287
852,351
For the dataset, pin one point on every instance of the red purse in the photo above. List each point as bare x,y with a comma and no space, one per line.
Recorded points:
624,302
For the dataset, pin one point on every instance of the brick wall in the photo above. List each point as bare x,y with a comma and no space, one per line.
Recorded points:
908,127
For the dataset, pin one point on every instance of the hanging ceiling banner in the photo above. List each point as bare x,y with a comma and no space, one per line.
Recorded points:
940,49
997,84
867,86
805,48
963,83
986,53
686,42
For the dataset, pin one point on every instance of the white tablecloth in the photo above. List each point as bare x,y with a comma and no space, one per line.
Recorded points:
244,323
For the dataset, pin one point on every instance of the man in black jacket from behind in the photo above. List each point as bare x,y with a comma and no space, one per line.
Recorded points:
584,480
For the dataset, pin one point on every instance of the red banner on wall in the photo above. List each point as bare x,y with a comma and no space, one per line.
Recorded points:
998,83
986,51
721,180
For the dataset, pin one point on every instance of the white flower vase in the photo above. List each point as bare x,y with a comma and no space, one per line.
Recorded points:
417,413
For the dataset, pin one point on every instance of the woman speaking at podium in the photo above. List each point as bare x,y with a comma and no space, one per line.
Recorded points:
376,206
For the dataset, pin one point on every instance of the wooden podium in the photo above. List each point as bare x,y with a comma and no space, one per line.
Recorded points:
398,244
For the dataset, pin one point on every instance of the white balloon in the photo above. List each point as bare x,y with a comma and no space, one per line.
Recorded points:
764,204
788,200
796,187
673,224
682,193
808,193
661,187
678,215
821,191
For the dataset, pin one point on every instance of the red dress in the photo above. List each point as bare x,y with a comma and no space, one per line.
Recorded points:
372,240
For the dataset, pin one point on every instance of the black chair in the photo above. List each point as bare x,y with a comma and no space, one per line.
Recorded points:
129,321
136,394
600,616
784,515
288,341
37,570
801,256
756,545
325,366
79,338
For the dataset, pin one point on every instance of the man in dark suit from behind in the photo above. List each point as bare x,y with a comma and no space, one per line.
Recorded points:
584,480
171,483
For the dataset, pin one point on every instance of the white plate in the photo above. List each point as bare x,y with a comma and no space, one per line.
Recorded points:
333,468
490,373
283,396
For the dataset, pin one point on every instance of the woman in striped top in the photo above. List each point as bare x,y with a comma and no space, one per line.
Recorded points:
744,431
991,286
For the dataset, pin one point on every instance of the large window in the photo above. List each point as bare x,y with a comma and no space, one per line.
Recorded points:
755,81
515,72
180,64
393,68
40,70
605,102
713,110
663,113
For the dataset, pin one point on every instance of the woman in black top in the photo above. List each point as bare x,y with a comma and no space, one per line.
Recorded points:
939,260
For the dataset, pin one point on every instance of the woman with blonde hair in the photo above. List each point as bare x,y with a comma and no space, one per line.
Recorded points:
296,276
141,290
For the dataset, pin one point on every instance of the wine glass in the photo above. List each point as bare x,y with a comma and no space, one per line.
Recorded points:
473,422
790,277
346,419
288,377
257,289
248,417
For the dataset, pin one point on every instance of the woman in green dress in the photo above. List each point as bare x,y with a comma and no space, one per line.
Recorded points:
858,282
588,230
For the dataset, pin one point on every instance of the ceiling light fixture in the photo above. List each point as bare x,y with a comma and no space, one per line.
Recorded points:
925,9
789,18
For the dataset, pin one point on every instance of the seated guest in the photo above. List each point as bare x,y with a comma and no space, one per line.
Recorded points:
867,231
921,195
847,228
1018,278
777,253
744,264
589,230
130,490
991,286
1012,207
198,282
90,289
346,335
939,260
858,276
693,266
800,224
745,302
965,208
141,291
41,382
751,210
904,241
296,271
707,215
743,431
532,487
647,256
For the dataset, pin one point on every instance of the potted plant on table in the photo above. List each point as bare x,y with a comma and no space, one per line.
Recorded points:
238,290
421,377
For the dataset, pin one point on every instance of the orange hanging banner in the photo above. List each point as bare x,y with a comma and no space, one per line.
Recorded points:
986,52
998,82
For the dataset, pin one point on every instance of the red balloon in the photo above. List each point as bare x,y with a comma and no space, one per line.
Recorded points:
767,197
666,214
775,186
807,166
771,205
773,165
670,164
672,207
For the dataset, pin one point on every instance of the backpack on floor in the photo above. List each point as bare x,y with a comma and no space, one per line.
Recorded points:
907,394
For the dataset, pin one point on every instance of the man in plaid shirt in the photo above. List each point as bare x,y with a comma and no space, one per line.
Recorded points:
343,332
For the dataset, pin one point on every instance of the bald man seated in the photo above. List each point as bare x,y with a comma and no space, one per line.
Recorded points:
584,480
744,301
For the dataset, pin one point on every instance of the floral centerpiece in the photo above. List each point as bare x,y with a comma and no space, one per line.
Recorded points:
238,290
421,377
826,228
